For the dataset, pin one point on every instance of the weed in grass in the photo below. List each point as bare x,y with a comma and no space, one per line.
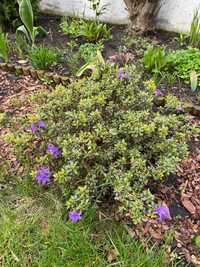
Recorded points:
3,118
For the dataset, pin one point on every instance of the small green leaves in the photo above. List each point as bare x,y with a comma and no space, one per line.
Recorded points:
112,142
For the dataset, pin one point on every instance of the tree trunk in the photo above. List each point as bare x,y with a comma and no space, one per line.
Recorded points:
142,14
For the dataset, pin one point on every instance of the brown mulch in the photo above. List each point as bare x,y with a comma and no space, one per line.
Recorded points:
14,92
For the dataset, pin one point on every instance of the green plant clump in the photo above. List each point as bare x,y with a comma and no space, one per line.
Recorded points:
43,58
194,34
111,141
92,31
185,61
4,47
88,50
155,59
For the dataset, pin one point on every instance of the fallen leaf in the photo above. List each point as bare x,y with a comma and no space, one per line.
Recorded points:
112,255
188,205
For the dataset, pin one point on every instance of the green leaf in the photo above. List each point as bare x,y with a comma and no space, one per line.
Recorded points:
26,15
193,80
87,66
4,49
21,30
39,30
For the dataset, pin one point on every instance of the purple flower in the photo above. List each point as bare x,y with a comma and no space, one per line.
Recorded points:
122,75
180,110
158,92
75,216
53,150
43,176
126,75
163,213
41,124
35,127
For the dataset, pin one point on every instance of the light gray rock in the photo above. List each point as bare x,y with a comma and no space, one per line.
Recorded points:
174,15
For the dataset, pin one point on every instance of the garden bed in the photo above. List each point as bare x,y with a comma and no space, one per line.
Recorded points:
180,191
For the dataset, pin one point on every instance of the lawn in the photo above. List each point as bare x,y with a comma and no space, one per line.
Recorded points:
35,231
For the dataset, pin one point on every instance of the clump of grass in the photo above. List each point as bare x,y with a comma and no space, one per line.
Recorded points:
43,58
194,34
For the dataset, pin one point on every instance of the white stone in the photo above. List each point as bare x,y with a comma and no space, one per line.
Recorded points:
174,15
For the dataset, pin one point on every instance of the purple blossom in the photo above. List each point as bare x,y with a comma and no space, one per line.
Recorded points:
158,92
163,213
122,75
53,150
180,110
43,176
75,216
126,75
41,124
35,127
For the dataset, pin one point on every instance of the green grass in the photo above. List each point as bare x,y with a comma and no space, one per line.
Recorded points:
34,232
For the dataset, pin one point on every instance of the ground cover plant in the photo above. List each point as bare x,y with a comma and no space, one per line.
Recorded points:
101,136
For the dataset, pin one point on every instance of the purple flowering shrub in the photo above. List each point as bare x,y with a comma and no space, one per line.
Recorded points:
103,139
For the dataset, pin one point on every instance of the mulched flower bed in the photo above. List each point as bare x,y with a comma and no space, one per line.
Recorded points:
181,191
14,92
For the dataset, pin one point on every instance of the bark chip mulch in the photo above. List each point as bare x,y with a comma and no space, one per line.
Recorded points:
14,93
